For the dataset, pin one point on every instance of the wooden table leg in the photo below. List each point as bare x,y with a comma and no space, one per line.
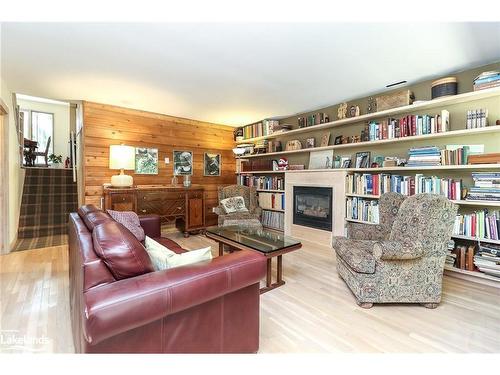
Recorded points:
269,275
221,249
280,269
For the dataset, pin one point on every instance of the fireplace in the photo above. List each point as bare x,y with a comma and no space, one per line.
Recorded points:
312,207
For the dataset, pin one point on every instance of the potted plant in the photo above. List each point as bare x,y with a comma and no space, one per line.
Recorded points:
56,160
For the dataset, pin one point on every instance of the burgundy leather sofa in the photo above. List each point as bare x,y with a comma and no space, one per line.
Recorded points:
208,307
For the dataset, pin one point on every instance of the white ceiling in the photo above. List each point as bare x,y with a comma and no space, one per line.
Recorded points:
234,73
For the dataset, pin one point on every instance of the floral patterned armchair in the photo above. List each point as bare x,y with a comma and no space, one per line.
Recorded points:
249,194
402,259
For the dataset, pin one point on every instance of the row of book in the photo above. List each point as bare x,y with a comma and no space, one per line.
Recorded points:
262,182
362,209
480,224
476,118
260,129
483,258
487,80
487,259
455,155
273,219
407,126
424,156
272,201
486,187
377,184
315,119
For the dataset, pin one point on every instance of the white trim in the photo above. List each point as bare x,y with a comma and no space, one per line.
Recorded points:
41,100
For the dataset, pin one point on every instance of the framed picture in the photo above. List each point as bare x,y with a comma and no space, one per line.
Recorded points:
183,163
325,140
338,140
321,159
345,161
146,160
211,164
363,159
310,142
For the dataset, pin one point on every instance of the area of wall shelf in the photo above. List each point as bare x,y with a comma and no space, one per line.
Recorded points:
440,102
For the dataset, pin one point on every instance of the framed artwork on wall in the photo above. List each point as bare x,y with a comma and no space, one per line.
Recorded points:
211,164
183,163
146,160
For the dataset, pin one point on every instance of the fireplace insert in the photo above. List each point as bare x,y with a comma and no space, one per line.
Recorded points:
312,207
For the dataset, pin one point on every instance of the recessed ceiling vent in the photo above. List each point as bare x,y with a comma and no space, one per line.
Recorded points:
396,83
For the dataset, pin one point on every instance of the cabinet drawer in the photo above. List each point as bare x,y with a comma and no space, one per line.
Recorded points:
196,194
174,207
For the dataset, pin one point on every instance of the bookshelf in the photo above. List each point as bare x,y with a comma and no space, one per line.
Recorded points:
430,104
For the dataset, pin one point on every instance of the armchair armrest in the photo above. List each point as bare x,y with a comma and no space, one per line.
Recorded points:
151,225
257,211
361,231
219,210
130,303
397,250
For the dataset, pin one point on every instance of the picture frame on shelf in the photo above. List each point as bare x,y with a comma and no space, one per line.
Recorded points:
321,159
183,163
310,142
211,164
146,160
338,140
325,140
345,161
362,159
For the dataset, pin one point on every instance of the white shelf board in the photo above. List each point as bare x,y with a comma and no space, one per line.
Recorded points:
451,133
368,196
260,172
439,102
273,209
271,190
360,221
389,169
486,240
478,274
465,202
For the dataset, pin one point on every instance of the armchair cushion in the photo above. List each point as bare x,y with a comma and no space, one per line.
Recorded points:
396,250
234,205
356,253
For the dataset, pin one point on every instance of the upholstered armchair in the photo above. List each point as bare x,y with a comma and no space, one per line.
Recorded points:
402,263
249,194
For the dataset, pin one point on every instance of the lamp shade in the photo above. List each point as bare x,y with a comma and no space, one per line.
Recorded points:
121,157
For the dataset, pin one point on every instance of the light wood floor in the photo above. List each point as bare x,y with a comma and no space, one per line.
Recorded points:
313,312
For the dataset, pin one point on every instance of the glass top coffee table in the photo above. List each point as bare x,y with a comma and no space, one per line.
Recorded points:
267,242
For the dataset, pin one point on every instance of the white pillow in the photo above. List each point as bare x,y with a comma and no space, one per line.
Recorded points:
234,204
163,258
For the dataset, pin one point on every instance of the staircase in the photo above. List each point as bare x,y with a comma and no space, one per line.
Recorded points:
49,195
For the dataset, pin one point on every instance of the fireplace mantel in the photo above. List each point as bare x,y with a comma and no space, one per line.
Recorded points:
332,178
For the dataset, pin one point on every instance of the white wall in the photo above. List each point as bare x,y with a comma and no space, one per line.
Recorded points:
15,175
61,123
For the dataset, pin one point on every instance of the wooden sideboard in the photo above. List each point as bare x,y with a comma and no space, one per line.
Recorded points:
185,206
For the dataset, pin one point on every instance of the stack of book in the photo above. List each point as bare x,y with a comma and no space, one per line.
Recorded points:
363,210
272,201
408,126
487,80
486,187
262,182
424,156
480,224
273,219
450,255
488,259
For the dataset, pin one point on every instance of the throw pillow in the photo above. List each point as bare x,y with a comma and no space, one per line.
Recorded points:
129,220
164,258
234,204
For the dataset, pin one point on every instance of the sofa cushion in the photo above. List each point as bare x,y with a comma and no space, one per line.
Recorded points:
130,220
358,254
85,209
120,250
92,219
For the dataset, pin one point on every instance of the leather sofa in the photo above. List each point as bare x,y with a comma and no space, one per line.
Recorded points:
207,307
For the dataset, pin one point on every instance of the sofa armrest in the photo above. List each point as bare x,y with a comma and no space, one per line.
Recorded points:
361,231
130,303
397,250
151,225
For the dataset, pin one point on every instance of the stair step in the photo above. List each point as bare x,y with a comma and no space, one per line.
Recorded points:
36,219
42,230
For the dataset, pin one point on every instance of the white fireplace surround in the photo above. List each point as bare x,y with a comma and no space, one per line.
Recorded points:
332,178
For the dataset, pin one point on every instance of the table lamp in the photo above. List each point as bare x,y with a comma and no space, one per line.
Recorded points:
121,157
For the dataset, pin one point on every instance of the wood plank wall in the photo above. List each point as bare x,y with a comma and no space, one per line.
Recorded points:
106,125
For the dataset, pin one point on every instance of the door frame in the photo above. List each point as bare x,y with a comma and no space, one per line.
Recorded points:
4,179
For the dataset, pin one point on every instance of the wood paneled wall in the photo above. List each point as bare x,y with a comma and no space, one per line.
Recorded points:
106,125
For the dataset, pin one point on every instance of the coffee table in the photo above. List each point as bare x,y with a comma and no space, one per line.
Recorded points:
267,242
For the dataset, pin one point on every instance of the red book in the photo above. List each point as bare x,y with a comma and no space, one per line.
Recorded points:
412,186
413,125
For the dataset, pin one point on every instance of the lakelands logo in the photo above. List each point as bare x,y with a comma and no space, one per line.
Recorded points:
13,340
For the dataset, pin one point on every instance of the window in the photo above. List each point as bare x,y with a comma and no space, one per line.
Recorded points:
39,126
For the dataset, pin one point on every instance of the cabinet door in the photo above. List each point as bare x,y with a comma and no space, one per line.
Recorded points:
195,212
122,202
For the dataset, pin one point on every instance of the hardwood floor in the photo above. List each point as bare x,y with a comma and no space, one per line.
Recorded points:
313,312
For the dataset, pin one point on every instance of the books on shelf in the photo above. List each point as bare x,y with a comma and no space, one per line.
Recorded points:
362,209
272,201
262,182
257,165
377,184
481,224
424,156
477,118
264,128
486,187
273,219
451,256
487,259
407,126
487,80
